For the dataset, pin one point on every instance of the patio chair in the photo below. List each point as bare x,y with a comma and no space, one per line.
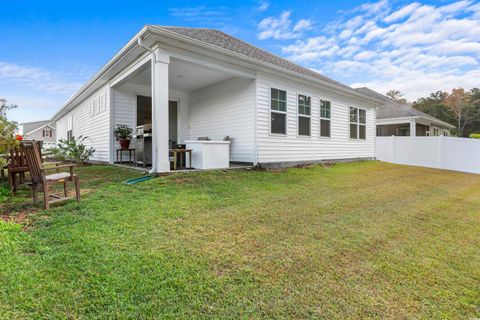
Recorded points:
5,167
16,165
40,179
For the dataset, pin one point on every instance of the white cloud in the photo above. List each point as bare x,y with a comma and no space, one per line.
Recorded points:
417,48
280,28
312,49
301,25
33,107
201,14
402,13
420,84
37,78
365,55
263,5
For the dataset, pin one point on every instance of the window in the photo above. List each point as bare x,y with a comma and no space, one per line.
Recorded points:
278,115
436,132
358,123
304,114
70,127
47,133
325,116
445,133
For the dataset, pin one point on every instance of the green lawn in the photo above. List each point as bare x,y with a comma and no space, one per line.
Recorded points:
358,240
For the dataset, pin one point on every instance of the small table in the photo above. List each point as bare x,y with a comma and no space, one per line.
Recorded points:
130,151
175,157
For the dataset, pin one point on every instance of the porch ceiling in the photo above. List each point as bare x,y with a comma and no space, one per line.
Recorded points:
185,76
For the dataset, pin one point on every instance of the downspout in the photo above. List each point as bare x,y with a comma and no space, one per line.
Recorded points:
141,44
154,154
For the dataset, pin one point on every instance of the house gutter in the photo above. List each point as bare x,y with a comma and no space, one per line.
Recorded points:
132,44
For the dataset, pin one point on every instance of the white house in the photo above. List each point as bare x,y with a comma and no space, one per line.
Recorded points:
400,119
187,83
41,131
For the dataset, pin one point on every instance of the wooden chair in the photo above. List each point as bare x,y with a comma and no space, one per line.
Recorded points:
40,179
16,165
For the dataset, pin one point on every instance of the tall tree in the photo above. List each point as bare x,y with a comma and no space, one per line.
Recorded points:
434,106
7,127
396,95
473,126
458,102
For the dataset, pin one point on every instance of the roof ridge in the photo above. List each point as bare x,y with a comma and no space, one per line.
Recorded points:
292,65
180,27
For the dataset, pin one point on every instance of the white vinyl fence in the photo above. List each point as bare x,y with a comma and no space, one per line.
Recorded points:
459,154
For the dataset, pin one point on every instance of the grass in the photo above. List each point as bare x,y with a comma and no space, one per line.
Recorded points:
358,240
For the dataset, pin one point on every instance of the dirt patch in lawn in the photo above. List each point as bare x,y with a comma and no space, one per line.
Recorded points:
21,217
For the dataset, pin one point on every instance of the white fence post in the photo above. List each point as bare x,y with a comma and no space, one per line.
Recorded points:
393,148
440,152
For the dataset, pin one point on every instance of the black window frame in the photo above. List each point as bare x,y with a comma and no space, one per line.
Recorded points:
359,121
304,111
278,106
325,117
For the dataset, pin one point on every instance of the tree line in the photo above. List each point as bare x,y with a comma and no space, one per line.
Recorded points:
459,108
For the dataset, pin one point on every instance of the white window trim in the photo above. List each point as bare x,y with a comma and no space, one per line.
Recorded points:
323,118
270,87
305,116
358,124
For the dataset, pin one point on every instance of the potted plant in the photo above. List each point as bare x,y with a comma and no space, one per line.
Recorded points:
123,134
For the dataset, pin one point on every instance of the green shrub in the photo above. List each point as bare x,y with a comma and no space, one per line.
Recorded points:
474,135
4,193
73,150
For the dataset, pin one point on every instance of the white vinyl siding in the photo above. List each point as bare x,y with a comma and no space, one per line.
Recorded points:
226,109
291,147
124,108
91,119
39,135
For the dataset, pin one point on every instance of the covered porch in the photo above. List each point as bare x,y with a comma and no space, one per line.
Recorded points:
403,127
180,111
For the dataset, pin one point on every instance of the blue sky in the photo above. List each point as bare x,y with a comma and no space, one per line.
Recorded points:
50,48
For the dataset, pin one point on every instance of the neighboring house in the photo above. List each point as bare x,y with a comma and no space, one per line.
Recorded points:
188,83
399,119
40,131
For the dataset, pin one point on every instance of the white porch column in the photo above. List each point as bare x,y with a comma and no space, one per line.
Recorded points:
413,128
160,159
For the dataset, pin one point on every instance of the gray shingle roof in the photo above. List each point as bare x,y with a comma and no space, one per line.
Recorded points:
225,41
393,109
30,126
